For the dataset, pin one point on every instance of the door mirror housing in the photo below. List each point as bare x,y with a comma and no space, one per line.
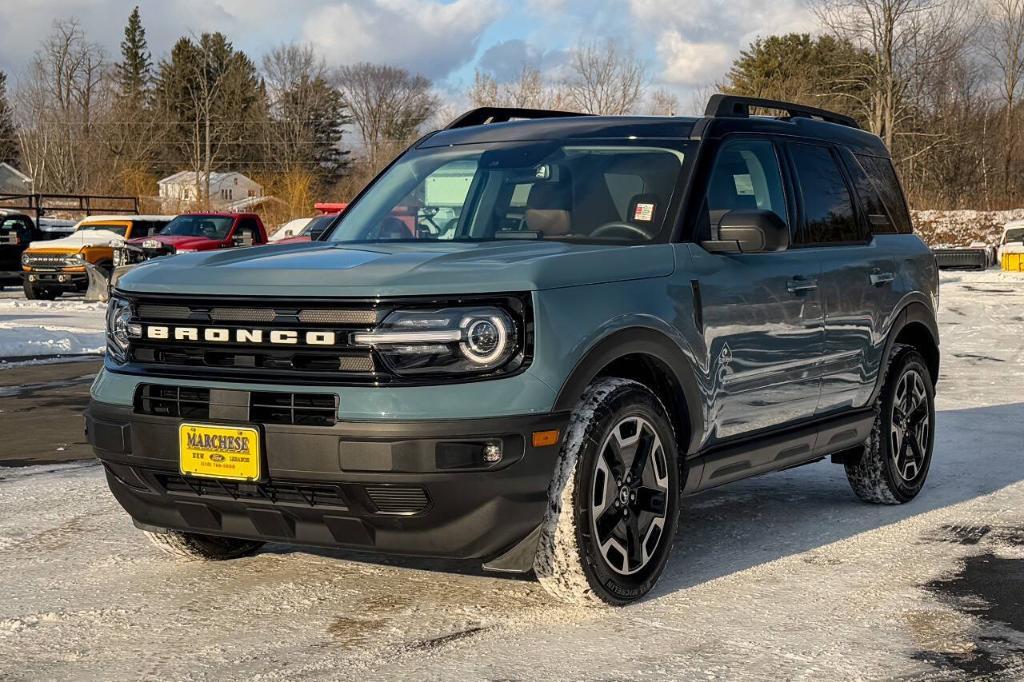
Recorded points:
749,231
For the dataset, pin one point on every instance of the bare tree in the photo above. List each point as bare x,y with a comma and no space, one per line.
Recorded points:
58,105
1004,45
906,40
663,103
604,78
529,90
387,104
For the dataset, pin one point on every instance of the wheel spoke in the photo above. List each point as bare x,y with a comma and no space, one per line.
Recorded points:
605,524
651,500
644,448
634,545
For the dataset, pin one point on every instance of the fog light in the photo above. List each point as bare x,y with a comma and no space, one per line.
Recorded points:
492,453
62,278
32,278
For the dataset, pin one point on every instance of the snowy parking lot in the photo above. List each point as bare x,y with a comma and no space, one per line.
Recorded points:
784,576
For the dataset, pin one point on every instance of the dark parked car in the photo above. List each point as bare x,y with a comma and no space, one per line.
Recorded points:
527,339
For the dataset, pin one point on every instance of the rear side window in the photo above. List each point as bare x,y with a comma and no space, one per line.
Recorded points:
746,177
829,215
883,176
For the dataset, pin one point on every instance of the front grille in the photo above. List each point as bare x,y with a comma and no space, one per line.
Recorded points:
246,351
310,495
399,500
173,401
304,409
42,260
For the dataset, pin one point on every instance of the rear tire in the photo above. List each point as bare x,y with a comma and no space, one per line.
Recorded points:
613,504
898,453
35,293
196,547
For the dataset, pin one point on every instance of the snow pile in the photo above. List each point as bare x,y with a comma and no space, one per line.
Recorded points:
961,228
34,328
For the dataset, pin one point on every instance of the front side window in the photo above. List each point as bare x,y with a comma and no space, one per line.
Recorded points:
211,227
829,216
554,190
746,176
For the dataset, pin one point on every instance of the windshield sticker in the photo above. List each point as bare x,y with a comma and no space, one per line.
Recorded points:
644,212
744,185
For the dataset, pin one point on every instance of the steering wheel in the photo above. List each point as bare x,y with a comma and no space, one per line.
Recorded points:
392,228
633,230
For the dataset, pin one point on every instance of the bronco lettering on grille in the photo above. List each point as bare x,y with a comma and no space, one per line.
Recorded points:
249,336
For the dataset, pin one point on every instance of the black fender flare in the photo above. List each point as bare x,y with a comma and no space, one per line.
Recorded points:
639,341
914,312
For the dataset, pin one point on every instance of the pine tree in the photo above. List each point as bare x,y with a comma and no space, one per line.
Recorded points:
134,73
9,150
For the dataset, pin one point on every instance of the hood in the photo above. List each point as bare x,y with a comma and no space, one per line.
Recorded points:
400,269
178,241
79,240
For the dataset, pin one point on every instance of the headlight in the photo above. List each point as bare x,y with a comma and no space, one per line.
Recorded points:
78,259
449,340
120,329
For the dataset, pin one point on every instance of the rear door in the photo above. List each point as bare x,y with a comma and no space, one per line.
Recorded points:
858,276
762,314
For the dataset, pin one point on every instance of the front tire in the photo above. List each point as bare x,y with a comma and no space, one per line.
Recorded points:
613,504
898,453
34,293
196,547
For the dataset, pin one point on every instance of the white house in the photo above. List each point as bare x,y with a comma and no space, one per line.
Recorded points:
13,181
178,191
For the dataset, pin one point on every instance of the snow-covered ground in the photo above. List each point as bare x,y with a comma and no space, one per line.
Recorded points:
66,326
785,576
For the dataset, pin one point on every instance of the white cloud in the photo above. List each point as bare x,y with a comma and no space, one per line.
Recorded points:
425,36
689,63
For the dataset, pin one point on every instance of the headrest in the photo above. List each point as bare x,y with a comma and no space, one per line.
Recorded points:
549,206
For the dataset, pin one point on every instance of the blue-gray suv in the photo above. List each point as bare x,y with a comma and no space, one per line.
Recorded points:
527,339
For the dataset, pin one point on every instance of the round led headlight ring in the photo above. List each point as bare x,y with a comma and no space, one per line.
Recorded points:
485,339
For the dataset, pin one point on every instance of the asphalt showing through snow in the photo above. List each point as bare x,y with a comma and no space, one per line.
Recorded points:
784,576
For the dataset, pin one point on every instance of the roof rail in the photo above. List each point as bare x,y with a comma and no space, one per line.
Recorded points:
484,115
735,106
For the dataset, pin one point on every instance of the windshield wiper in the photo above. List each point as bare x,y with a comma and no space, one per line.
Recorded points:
519,234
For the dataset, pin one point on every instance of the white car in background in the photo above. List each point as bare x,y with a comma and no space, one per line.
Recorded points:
1012,240
290,229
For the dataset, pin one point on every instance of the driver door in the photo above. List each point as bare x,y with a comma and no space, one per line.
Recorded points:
763,326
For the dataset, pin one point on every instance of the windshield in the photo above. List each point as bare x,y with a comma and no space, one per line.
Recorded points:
564,190
209,226
315,227
94,227
1014,235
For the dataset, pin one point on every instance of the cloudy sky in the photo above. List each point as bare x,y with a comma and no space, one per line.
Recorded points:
685,44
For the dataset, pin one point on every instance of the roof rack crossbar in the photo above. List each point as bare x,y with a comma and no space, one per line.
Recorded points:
735,106
484,115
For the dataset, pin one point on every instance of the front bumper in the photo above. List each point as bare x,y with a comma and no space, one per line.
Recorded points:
58,279
377,486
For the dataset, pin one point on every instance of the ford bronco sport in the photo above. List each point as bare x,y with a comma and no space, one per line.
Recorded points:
526,340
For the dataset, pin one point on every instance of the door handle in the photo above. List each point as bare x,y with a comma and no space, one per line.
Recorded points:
879,278
801,285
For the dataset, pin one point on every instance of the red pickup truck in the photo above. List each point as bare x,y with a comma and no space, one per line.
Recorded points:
187,233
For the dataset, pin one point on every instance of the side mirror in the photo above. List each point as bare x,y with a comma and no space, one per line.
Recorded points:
749,231
243,239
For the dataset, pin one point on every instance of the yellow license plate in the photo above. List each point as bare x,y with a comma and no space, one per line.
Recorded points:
231,452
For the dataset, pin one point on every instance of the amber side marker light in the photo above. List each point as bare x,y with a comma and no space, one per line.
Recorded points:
542,439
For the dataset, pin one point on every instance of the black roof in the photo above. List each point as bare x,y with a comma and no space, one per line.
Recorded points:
725,115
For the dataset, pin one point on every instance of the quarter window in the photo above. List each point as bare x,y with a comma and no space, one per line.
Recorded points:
829,216
746,177
883,176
